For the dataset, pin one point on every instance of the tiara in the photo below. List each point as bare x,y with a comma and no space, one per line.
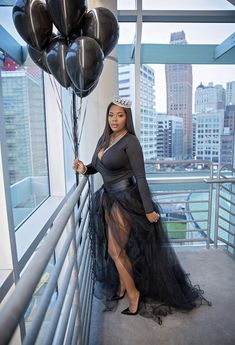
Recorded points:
122,102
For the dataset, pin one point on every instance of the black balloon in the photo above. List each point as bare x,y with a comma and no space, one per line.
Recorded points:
84,62
66,14
38,56
85,93
101,24
55,59
33,22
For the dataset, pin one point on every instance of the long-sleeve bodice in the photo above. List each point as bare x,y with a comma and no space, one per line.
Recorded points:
123,160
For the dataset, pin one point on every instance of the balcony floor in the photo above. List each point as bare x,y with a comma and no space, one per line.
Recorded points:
214,270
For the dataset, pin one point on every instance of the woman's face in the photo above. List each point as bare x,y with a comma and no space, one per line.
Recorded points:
117,118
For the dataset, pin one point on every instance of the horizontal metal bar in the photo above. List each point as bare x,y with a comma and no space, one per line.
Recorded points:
227,210
229,201
83,265
186,191
83,287
189,240
77,329
177,16
172,180
186,221
220,180
184,202
79,233
226,242
185,231
227,190
179,161
49,334
82,246
34,328
185,211
224,176
226,220
5,287
225,230
31,249
15,307
81,207
62,327
87,313
70,327
88,322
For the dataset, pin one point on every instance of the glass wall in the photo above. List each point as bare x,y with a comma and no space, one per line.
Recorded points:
24,115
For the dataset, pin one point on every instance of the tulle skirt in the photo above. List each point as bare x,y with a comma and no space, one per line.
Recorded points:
118,217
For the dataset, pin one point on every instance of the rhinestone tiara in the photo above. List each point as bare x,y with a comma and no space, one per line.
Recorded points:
122,102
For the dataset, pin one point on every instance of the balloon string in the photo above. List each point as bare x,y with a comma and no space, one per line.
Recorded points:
64,116
54,85
83,120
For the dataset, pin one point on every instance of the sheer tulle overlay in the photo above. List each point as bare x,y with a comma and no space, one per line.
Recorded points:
123,240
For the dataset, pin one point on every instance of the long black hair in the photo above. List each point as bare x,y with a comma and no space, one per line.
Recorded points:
105,137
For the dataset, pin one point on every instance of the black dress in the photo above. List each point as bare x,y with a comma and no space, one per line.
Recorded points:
119,210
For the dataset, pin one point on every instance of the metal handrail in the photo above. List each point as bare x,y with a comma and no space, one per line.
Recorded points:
15,307
219,182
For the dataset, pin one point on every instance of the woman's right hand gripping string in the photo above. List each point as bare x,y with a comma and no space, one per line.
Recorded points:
79,166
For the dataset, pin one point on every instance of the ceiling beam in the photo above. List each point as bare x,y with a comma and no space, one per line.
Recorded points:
151,16
7,2
232,2
225,46
10,47
173,54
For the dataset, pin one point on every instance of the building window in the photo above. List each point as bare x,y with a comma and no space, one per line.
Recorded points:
25,128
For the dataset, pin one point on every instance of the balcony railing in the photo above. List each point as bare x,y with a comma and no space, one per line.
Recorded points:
61,313
198,206
192,196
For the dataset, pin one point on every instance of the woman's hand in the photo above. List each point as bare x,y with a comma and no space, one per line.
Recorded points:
153,217
79,166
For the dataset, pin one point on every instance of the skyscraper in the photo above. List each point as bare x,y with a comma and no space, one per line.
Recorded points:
179,93
227,139
169,137
209,128
209,98
25,123
126,75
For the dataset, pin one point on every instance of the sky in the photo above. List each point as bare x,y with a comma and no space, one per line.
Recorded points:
160,33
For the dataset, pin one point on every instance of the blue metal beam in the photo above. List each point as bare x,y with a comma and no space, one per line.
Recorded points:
7,2
171,53
225,46
10,47
155,16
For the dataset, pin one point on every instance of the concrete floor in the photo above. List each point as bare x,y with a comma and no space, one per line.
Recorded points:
214,270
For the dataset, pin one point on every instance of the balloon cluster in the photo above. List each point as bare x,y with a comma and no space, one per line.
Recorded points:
75,55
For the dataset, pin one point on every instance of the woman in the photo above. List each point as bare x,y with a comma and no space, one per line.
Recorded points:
126,223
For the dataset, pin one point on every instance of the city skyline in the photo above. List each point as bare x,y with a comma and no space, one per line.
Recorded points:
203,33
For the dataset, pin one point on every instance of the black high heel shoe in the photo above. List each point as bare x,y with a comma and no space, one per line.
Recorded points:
127,310
117,297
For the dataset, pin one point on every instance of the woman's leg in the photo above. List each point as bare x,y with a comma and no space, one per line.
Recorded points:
118,234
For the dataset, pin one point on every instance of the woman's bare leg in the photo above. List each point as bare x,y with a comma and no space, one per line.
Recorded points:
117,240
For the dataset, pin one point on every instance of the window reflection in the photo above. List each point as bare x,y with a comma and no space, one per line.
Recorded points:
23,109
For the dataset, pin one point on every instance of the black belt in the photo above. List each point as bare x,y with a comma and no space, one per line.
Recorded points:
120,185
